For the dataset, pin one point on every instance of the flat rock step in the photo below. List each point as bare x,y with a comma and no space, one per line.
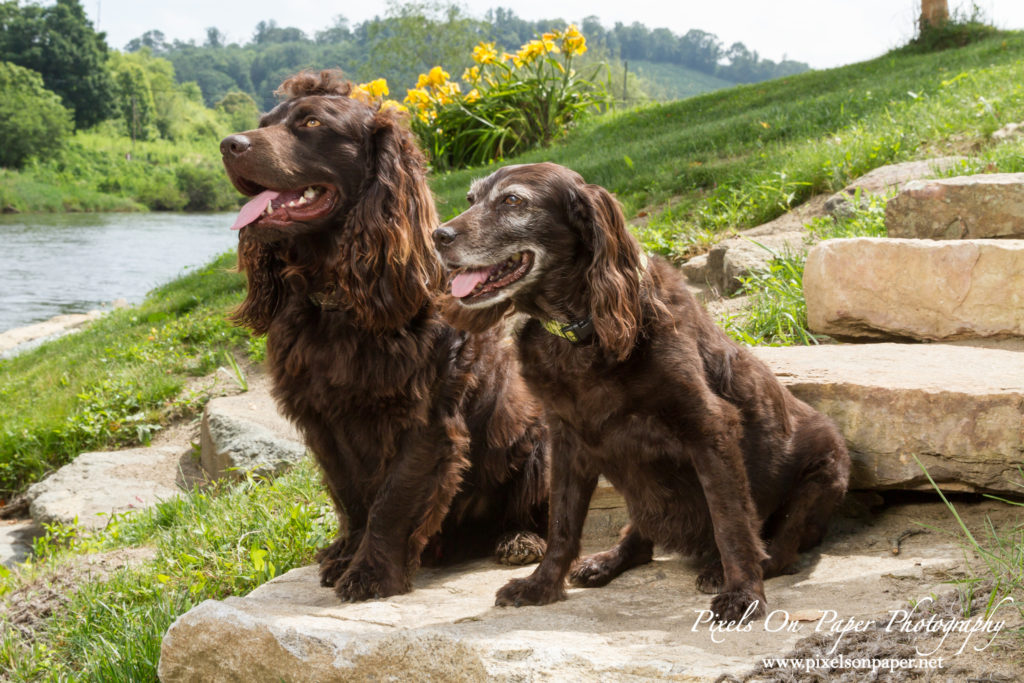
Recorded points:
965,207
878,288
959,409
639,627
96,485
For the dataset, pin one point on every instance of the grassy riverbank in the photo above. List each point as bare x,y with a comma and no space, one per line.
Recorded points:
700,167
101,171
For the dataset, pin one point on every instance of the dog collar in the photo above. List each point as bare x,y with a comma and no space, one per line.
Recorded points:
576,332
580,331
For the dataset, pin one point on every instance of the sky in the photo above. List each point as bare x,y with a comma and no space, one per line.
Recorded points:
822,33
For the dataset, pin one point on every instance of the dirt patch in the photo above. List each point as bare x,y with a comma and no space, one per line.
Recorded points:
26,608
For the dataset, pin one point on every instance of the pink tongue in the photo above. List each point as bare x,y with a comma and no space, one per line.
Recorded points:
253,208
464,282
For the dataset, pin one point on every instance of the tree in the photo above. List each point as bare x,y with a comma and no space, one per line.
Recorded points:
134,94
417,36
32,120
155,40
60,44
933,13
239,110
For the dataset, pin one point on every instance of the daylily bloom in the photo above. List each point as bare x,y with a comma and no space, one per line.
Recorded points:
485,53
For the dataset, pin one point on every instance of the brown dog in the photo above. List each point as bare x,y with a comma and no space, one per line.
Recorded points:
711,453
430,444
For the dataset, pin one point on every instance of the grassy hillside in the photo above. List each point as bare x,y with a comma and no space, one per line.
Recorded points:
700,167
737,157
675,82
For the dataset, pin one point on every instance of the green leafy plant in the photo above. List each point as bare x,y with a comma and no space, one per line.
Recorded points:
514,101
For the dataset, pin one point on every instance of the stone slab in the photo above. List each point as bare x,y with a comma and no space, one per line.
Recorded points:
94,485
246,433
878,288
965,207
641,627
959,409
16,540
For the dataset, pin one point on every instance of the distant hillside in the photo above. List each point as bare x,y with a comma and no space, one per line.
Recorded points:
674,82
411,38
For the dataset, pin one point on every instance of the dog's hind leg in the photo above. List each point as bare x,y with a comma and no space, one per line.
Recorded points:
802,520
598,569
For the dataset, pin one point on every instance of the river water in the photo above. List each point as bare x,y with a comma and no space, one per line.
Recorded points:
72,263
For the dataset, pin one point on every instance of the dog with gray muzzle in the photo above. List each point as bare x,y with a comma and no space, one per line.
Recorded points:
714,457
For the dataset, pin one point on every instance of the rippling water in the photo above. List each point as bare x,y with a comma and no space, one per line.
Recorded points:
72,263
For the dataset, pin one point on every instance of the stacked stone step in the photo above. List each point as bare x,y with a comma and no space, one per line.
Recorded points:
948,282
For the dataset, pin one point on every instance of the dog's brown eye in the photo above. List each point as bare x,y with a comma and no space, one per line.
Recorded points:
512,200
311,123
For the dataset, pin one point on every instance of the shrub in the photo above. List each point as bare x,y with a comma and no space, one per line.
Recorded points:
514,102
33,122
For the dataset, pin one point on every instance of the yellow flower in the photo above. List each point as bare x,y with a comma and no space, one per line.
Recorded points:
418,98
359,93
393,104
506,56
436,77
471,75
573,42
472,96
447,92
377,88
484,53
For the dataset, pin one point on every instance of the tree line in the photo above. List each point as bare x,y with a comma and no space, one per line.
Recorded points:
415,36
58,74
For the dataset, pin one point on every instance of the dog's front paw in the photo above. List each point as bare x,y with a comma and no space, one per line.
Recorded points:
528,591
365,583
711,578
593,571
334,560
524,547
738,606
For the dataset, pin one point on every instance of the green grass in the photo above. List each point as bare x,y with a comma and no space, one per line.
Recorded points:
776,314
736,158
100,170
115,382
674,82
224,540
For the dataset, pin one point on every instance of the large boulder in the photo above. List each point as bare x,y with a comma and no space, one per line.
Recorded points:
877,288
958,409
246,433
96,485
966,207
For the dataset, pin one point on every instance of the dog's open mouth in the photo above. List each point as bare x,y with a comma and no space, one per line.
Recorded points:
479,284
280,208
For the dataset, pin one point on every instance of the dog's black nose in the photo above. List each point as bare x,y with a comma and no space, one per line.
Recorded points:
235,145
444,236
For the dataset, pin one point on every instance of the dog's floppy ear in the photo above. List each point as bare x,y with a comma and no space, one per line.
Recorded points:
266,290
614,275
387,268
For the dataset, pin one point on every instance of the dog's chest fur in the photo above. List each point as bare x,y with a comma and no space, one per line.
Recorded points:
617,411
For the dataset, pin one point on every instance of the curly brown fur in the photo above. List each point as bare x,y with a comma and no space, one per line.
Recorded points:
431,447
713,456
